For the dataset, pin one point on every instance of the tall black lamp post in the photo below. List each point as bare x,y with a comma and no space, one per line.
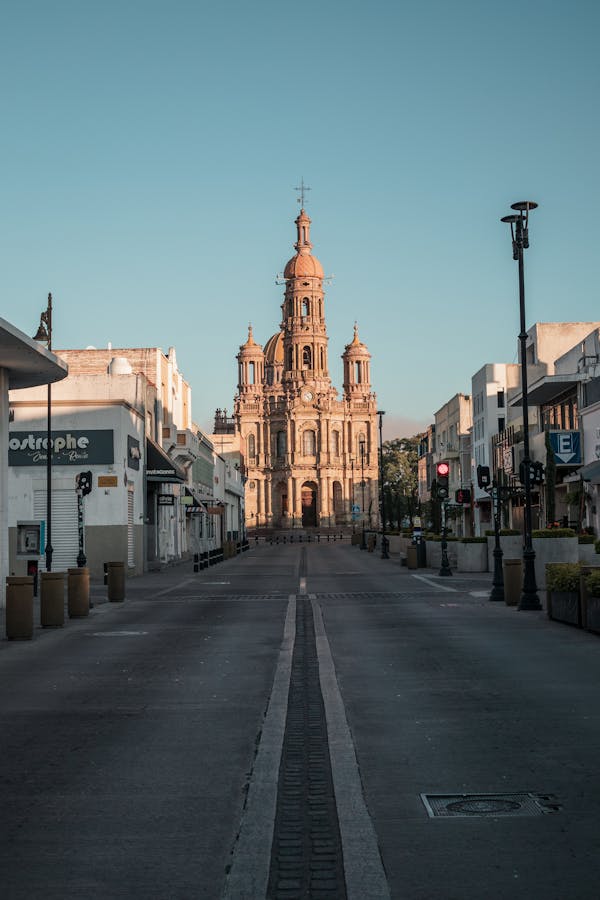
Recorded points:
44,335
361,446
384,541
519,227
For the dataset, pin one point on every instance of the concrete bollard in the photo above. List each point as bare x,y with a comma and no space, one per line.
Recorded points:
116,581
78,592
52,599
19,607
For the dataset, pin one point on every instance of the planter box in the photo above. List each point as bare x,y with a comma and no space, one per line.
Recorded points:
592,614
588,555
553,550
511,545
434,554
564,606
472,557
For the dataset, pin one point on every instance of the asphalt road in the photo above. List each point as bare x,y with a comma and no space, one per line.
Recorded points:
131,741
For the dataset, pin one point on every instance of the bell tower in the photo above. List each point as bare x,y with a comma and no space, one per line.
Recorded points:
357,369
303,316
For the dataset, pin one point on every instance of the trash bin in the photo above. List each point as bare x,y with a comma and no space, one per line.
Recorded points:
19,607
52,599
116,581
512,570
421,554
78,592
411,557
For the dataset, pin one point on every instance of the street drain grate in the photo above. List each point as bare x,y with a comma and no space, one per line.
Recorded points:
492,805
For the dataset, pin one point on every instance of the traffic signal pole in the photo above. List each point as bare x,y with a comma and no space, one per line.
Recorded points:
445,569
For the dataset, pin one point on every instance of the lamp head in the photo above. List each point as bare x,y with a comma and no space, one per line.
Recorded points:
41,334
524,205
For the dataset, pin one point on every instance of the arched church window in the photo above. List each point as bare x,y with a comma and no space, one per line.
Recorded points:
252,373
251,446
335,443
281,444
310,443
357,373
306,306
306,358
291,358
361,446
322,357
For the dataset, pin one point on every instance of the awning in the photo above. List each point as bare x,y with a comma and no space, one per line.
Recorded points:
548,388
591,472
194,501
160,467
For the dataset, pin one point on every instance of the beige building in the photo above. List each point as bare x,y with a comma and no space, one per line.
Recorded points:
310,458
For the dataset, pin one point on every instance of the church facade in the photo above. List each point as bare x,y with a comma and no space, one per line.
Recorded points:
310,457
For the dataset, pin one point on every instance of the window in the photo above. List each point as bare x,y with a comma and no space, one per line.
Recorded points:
281,444
252,373
251,446
500,399
306,306
335,443
361,447
310,443
306,358
291,358
500,424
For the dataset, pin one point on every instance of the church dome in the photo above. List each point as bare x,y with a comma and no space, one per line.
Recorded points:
250,348
303,265
274,349
356,347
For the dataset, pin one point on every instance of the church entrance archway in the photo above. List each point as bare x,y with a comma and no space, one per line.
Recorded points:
309,504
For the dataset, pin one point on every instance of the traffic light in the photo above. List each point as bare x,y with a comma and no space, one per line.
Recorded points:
483,477
463,495
442,471
83,483
536,472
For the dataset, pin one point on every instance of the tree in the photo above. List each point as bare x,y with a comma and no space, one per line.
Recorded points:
400,479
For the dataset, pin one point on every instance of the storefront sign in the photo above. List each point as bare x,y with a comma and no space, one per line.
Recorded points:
69,448
166,500
108,481
567,447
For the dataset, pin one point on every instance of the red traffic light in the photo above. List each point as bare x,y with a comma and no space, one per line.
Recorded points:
443,469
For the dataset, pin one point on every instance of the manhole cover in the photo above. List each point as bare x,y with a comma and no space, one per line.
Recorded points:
523,804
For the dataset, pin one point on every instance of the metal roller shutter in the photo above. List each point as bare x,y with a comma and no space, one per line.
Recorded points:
65,536
130,531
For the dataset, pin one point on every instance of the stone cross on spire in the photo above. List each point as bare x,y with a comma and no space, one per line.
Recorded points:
302,189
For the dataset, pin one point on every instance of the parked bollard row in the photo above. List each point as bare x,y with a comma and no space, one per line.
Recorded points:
19,601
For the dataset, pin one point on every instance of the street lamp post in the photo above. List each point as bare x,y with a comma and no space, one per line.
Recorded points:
384,540
44,335
361,446
519,227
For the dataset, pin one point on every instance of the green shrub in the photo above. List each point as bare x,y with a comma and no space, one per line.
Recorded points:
585,539
504,532
592,583
562,576
552,533
474,540
597,546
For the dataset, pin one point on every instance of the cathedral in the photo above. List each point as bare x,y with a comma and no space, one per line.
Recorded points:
310,458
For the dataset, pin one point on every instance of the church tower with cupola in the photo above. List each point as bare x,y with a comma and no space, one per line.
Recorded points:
310,457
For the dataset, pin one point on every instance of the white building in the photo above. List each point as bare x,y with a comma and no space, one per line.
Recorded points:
489,390
23,364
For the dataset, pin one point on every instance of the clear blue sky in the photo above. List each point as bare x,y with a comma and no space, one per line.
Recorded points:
149,153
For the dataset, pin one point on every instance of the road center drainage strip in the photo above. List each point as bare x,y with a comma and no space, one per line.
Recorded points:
306,854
